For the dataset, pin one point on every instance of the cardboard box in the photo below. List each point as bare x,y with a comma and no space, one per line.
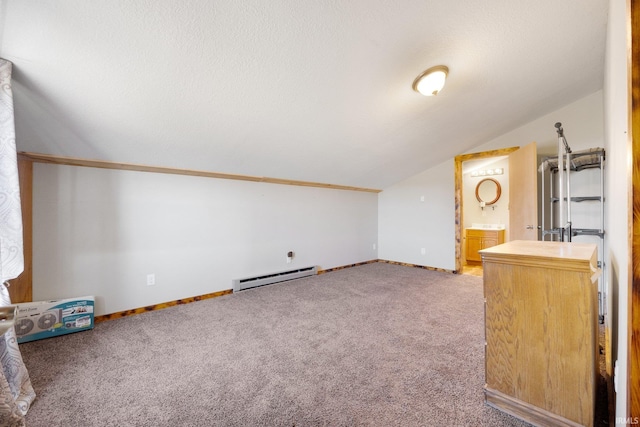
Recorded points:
45,319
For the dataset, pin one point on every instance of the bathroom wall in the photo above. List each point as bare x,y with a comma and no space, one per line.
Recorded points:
498,213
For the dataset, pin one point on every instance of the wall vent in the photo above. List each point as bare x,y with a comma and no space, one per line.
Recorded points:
267,279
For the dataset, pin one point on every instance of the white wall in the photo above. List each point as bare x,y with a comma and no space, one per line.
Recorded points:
581,120
618,186
100,232
406,225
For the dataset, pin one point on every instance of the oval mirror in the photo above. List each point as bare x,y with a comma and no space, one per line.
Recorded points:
488,191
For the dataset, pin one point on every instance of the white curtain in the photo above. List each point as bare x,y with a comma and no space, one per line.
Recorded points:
16,392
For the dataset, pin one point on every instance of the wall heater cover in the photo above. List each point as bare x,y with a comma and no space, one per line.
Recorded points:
267,279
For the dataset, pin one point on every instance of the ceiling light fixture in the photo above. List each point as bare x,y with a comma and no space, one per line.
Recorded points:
431,82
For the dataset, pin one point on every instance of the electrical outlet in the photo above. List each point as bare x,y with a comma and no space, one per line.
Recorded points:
423,251
374,246
151,279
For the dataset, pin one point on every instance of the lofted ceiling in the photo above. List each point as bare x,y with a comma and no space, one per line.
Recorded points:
312,90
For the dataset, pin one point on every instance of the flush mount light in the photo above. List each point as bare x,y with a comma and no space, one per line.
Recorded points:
430,82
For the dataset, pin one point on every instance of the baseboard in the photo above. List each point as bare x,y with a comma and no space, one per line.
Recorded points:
525,411
424,267
162,305
328,270
374,261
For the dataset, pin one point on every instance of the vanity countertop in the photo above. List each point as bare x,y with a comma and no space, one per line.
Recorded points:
476,226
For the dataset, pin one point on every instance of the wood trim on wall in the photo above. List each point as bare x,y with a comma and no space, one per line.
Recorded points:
20,289
74,161
457,167
163,305
633,386
160,306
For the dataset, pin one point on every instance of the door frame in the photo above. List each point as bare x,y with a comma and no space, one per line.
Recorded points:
457,166
633,319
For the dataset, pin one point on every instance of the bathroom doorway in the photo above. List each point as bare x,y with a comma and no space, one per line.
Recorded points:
521,207
489,213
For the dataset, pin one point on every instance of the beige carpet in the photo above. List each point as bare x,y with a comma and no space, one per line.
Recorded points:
373,345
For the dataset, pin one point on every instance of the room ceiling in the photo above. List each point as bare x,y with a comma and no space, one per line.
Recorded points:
296,89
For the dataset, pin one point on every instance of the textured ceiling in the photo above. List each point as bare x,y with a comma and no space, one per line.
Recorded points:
314,90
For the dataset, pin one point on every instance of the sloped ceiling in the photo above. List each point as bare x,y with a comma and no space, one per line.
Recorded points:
314,90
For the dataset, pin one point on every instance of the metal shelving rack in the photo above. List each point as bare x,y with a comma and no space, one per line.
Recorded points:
556,199
588,159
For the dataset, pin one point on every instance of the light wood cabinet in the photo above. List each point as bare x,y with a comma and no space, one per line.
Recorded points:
541,314
481,239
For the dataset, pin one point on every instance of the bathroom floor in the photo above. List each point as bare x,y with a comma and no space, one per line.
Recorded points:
472,270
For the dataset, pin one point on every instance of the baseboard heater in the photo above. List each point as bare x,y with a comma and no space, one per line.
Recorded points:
267,279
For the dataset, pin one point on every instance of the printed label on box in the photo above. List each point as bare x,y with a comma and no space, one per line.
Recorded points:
45,319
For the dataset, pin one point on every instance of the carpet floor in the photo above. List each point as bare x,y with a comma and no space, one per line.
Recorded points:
373,345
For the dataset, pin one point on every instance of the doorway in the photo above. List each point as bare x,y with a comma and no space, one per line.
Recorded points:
459,200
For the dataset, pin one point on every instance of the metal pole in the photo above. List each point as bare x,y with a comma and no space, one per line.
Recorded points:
601,193
552,211
602,281
543,170
560,182
568,170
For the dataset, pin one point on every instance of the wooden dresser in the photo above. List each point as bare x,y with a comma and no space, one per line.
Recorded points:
541,323
478,239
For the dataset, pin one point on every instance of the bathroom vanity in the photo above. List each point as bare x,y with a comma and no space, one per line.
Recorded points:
541,324
480,237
